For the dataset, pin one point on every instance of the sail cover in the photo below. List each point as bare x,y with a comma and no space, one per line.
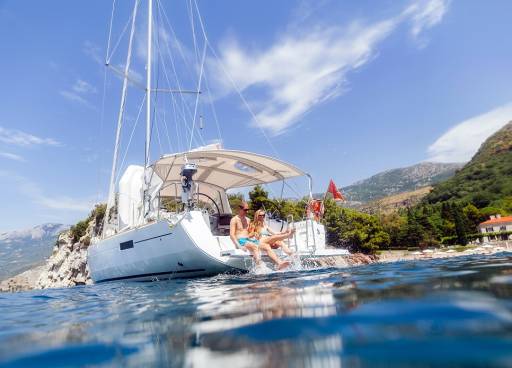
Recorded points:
225,169
131,195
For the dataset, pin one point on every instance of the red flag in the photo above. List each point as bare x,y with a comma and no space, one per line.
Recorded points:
336,194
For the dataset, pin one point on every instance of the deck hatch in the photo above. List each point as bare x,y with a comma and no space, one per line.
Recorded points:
126,245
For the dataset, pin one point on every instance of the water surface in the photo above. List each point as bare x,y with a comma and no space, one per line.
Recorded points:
444,312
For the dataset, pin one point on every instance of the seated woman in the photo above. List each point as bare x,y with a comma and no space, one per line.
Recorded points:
267,236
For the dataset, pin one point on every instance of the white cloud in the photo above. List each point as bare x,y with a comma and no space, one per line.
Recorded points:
36,194
12,156
83,87
301,71
462,141
19,138
425,14
93,51
78,90
75,97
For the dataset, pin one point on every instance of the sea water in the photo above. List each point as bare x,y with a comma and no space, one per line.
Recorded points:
442,312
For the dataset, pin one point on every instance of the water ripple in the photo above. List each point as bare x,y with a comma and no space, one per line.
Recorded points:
438,312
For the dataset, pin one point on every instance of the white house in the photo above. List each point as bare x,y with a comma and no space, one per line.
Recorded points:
496,224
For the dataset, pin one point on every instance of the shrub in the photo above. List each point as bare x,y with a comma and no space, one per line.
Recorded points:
78,230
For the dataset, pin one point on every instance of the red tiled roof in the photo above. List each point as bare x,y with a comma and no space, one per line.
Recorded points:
497,220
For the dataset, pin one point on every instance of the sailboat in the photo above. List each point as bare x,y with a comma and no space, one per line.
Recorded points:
170,218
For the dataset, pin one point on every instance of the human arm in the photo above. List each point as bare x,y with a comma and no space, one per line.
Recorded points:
232,231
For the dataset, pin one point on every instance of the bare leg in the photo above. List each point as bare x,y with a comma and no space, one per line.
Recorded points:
254,250
278,237
281,244
264,246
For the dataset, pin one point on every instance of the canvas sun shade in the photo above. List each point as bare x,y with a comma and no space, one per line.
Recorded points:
224,169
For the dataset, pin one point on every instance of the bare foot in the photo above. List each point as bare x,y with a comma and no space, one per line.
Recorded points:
283,265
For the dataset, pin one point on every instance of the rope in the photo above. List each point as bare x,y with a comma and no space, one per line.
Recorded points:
197,98
110,29
212,105
102,113
111,192
166,19
131,135
183,105
233,82
114,49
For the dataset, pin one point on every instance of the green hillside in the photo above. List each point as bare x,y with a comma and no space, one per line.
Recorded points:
486,181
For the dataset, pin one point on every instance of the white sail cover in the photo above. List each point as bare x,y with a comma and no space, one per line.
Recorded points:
223,169
131,192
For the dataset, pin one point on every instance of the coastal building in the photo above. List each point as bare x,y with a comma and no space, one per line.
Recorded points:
496,224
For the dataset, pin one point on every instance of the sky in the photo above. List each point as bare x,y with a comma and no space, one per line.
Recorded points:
341,89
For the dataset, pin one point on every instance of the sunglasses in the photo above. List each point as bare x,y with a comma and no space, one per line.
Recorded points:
245,209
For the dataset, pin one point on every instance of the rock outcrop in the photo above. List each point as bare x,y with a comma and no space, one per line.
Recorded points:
355,259
67,265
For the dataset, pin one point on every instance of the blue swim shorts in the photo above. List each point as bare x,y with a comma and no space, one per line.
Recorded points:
243,241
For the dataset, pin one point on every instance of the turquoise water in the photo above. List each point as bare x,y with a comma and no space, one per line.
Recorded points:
445,312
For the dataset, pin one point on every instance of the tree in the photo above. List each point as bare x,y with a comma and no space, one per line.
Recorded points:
460,224
413,234
235,200
258,199
393,223
473,216
355,230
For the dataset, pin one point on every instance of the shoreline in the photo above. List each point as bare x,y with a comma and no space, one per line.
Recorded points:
405,255
30,279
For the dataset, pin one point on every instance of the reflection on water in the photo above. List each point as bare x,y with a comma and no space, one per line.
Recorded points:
454,312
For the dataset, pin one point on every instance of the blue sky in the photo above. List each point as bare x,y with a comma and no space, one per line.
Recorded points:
341,89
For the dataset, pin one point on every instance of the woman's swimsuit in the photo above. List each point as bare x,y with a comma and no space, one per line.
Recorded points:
264,232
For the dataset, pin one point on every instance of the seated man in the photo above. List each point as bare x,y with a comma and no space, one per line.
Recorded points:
239,234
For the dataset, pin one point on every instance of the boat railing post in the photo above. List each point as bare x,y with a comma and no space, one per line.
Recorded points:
295,233
313,234
307,233
175,197
158,211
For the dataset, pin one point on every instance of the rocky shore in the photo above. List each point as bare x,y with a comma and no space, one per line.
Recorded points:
67,266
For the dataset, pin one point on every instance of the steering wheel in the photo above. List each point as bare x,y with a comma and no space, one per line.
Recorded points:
212,210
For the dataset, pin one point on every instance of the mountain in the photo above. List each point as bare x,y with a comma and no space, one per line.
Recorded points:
486,181
395,202
396,181
21,249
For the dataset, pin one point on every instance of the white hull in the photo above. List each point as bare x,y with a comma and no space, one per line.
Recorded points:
160,250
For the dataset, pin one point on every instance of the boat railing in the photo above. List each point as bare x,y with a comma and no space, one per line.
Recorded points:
311,248
291,222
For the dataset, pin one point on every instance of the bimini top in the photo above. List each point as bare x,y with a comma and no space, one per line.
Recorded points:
226,168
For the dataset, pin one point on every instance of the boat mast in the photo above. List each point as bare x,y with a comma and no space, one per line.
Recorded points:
148,83
147,177
111,195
